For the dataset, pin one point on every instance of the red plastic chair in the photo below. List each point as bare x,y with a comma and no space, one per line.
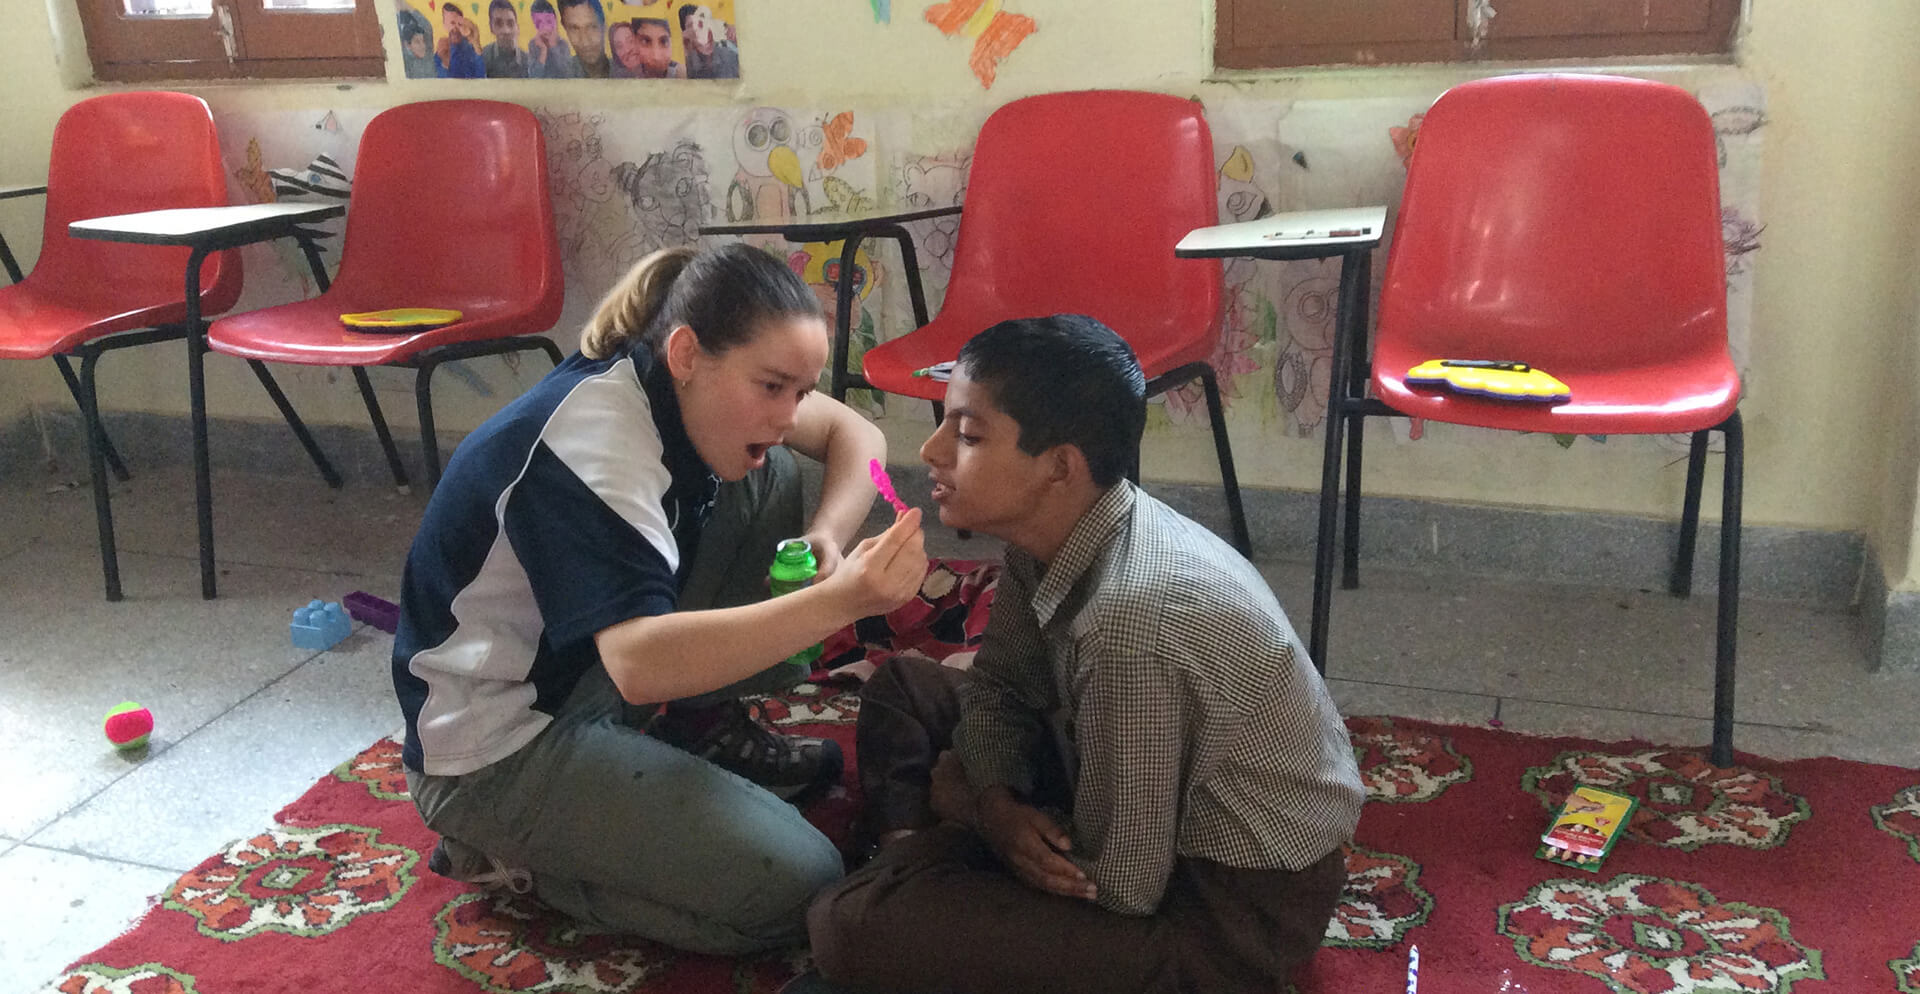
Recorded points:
450,208
1571,223
116,154
1074,204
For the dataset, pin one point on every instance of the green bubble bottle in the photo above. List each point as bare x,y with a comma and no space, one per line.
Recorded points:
793,568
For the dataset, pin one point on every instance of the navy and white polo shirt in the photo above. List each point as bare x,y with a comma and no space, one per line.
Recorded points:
578,506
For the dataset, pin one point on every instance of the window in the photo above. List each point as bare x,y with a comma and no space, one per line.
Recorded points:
133,40
1259,34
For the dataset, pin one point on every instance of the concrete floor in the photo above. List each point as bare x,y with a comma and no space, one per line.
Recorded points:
246,722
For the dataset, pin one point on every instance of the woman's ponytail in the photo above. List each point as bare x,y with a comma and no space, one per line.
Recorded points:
628,312
724,294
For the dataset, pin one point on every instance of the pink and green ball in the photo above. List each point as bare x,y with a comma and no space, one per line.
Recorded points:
128,725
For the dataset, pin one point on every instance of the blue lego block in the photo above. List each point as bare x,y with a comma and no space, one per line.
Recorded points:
319,625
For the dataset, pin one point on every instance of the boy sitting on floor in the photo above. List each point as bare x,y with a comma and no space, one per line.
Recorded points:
1152,788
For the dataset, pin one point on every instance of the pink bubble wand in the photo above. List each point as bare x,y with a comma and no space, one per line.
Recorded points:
884,484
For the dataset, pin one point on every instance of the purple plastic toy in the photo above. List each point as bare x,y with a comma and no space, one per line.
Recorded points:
381,614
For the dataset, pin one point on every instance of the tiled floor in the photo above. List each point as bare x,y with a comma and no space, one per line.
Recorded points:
246,722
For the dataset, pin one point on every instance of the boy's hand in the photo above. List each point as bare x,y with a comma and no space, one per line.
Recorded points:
1030,843
827,556
885,570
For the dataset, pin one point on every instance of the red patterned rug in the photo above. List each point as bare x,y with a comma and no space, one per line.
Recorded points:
1769,876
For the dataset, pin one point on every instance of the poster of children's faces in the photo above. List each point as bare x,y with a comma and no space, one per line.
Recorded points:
568,39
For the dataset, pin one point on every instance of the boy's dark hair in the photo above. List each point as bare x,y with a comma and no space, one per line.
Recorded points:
542,7
686,12
659,22
409,28
506,5
1065,379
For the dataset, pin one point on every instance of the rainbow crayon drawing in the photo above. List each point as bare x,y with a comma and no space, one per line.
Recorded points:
885,485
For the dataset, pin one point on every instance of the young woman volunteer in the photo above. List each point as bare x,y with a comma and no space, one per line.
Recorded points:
600,547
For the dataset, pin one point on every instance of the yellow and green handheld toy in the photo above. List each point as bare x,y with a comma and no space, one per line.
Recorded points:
1501,379
401,319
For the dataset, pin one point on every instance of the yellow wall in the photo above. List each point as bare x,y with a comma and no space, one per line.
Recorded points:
1835,312
34,101
1899,440
1831,411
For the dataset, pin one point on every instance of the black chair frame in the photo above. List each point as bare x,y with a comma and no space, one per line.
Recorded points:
101,454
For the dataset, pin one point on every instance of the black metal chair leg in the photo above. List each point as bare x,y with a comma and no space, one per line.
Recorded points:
1350,544
1726,629
545,344
197,406
1337,411
842,319
380,426
1681,584
1216,413
97,431
910,265
917,297
327,472
97,471
1359,371
8,263
423,399
310,247
1323,545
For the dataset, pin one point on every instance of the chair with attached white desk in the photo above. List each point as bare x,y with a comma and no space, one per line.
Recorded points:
114,154
1568,225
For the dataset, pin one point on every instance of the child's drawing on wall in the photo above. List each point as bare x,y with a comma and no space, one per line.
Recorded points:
818,263
599,236
667,194
934,181
1303,372
326,151
767,182
995,32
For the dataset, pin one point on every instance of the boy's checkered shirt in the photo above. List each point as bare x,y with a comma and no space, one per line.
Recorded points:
1191,721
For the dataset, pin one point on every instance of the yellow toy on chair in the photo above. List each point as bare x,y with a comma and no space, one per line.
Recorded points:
1501,379
401,319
